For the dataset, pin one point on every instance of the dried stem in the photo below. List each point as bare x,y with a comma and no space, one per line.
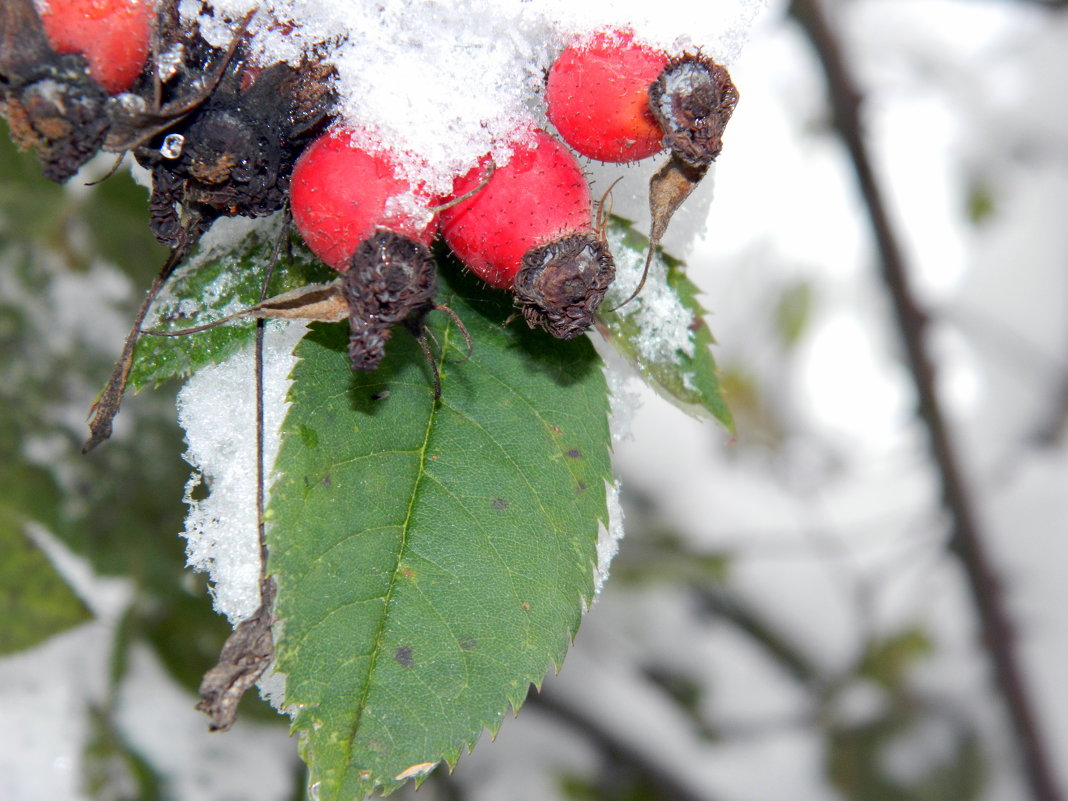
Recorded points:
967,538
249,650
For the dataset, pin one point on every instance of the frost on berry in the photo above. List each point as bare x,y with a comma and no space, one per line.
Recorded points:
391,279
560,285
693,100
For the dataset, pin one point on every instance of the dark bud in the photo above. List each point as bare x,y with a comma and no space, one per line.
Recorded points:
692,101
560,285
391,279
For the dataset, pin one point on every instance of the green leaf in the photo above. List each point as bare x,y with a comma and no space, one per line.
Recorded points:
29,204
35,601
888,661
793,313
432,559
982,204
858,762
662,332
212,284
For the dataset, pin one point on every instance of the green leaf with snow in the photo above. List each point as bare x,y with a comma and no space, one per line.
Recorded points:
662,332
432,559
214,282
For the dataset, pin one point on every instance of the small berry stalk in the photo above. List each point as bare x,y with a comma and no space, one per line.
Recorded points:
530,229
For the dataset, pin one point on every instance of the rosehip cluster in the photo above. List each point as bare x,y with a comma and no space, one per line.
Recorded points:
526,225
223,136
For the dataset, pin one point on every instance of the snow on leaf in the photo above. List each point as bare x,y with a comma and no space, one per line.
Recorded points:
432,559
662,332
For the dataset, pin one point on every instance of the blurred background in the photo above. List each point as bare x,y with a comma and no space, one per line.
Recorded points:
790,615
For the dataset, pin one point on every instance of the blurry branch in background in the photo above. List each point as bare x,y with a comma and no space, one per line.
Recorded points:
967,539
617,751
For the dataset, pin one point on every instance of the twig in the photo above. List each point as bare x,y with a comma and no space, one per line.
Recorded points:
967,539
617,749
249,650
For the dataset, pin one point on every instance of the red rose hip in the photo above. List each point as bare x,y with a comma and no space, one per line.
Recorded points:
613,99
597,96
341,194
530,229
113,35
359,217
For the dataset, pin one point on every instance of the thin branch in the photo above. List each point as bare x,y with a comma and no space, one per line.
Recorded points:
967,538
616,748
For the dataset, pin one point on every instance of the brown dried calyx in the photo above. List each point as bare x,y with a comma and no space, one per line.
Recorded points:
391,279
560,285
692,101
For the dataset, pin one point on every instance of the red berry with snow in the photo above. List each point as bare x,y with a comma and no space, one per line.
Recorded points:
359,217
613,99
597,96
530,229
341,194
114,36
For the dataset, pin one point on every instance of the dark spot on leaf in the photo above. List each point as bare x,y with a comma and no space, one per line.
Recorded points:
574,453
468,643
327,482
696,323
403,655
307,482
582,486
380,395
500,504
308,436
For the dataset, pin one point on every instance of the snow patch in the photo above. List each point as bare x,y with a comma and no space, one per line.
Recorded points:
217,409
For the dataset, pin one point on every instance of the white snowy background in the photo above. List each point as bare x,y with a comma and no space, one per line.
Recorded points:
825,506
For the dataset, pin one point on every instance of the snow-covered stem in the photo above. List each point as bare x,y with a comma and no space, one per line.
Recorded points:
967,539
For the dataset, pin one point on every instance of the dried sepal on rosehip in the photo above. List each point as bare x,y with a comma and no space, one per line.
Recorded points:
529,229
560,285
391,280
693,100
218,134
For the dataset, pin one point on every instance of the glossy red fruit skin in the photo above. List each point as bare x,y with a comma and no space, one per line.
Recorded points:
538,196
597,96
115,36
339,194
